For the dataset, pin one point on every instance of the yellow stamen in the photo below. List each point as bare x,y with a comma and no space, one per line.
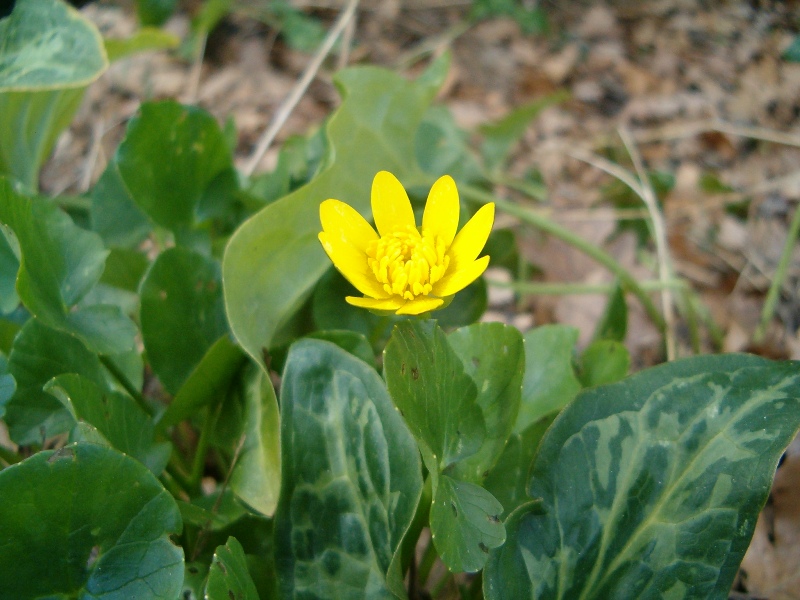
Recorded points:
408,262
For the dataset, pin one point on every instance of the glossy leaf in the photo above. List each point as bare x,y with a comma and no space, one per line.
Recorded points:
549,382
9,265
351,478
466,307
465,524
7,384
113,213
442,147
508,479
86,521
256,478
352,341
228,578
170,156
437,399
60,263
115,416
208,382
652,486
40,353
274,259
49,54
494,358
182,313
604,361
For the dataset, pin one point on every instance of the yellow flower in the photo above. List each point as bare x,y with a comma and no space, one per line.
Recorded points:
402,268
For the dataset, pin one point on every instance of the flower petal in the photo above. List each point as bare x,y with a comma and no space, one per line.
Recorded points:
458,280
391,207
352,263
471,239
419,305
343,223
441,210
390,304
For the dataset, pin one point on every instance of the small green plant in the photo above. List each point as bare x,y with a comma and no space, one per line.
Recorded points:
200,406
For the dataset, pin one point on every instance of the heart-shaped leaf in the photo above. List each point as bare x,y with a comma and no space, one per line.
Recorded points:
86,521
274,259
228,578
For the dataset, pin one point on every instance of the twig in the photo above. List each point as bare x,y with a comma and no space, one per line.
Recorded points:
432,44
609,167
288,105
98,130
200,542
682,130
660,235
126,383
347,43
196,72
780,274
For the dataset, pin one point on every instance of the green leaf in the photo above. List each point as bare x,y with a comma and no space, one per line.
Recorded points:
115,416
208,382
228,578
182,313
113,213
48,45
604,361
549,382
352,341
438,400
9,265
274,259
508,479
493,356
351,478
170,156
652,486
256,478
466,307
7,384
442,146
144,39
792,53
49,54
86,521
155,12
613,325
332,312
499,137
60,263
465,524
125,269
40,353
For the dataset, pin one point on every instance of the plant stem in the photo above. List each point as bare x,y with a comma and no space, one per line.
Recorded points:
426,563
126,383
566,289
780,274
202,446
627,281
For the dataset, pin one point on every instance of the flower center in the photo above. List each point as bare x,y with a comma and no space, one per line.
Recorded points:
408,263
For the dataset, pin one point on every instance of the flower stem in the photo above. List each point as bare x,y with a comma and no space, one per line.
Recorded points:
780,274
126,383
202,446
627,280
